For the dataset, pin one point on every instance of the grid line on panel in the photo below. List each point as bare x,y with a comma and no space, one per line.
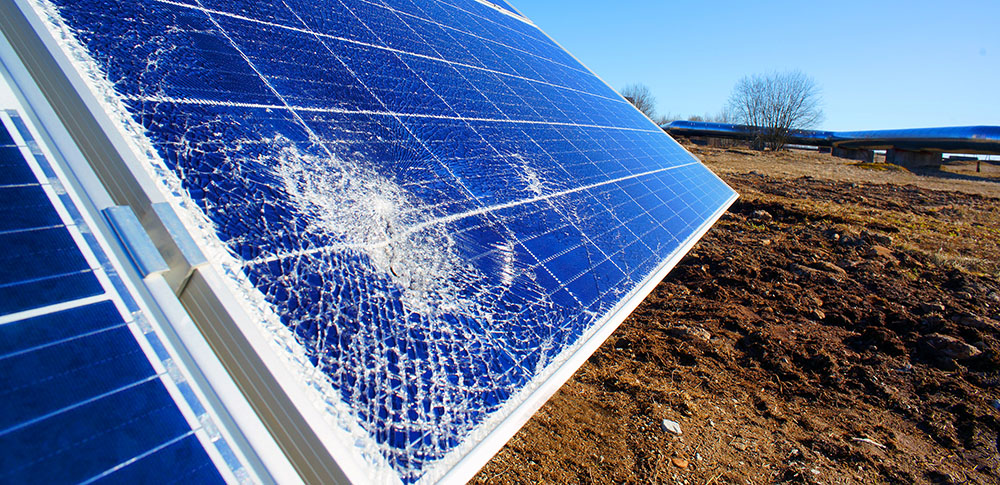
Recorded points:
263,78
52,308
134,459
483,211
63,341
462,76
210,12
463,215
646,211
604,174
479,37
78,404
29,229
394,114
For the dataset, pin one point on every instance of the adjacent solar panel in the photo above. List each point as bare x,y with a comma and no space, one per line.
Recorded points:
430,207
82,401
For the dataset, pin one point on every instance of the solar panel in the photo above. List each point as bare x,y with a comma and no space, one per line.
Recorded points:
83,401
431,210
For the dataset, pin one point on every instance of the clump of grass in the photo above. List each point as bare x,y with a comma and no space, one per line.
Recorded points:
881,167
949,259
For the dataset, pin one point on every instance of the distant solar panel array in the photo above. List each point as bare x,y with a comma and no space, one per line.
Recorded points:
443,211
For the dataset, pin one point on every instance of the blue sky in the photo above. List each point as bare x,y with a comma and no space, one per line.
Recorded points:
887,64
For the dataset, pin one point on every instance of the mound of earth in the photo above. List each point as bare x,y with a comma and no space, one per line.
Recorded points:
838,325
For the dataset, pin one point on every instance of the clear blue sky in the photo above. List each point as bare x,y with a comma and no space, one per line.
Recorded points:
884,64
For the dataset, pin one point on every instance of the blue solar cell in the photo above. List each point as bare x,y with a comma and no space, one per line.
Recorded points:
36,383
24,335
13,169
5,139
185,459
434,198
39,253
25,295
94,437
26,207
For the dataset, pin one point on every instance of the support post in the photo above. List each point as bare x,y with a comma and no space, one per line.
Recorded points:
909,159
867,156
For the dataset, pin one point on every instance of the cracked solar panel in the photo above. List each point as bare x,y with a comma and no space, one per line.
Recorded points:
428,206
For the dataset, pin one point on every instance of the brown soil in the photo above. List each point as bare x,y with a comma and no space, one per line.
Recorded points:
838,325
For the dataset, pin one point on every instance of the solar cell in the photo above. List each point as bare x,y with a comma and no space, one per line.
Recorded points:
438,205
25,207
13,171
82,400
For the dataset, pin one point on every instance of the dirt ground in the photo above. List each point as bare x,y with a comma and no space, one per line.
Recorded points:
838,325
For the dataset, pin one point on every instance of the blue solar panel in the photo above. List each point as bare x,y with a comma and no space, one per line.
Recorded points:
13,170
81,400
438,203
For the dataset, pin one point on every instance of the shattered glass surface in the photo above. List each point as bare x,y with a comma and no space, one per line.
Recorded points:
438,202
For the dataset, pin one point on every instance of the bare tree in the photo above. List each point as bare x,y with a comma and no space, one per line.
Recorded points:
774,104
665,119
642,98
723,116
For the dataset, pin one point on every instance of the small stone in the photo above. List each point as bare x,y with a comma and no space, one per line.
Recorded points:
680,462
697,456
950,347
829,267
838,320
880,252
802,270
996,404
930,308
848,240
670,426
817,315
814,471
688,406
933,320
762,215
877,238
765,242
973,321
690,332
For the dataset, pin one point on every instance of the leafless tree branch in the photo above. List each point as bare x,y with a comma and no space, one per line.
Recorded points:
774,104
642,98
